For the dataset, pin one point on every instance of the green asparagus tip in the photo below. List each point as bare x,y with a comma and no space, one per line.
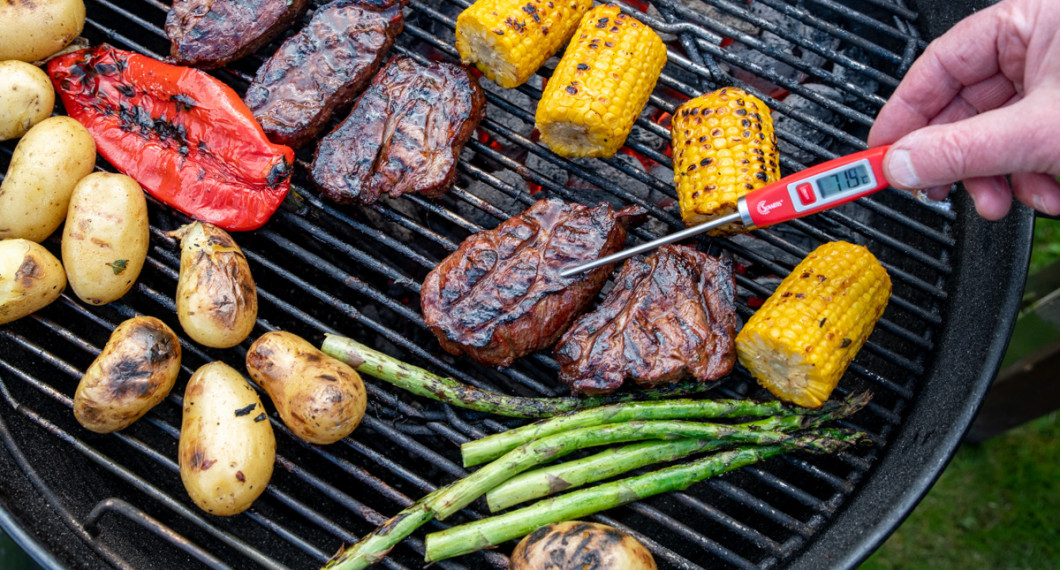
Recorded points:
837,410
831,440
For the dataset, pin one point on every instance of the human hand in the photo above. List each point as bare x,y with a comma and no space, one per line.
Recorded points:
981,102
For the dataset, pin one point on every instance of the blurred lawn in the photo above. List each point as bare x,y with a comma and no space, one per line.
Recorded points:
997,505
12,557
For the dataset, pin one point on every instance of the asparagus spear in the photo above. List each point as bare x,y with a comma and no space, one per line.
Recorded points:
493,446
429,385
446,500
604,465
496,530
375,545
463,492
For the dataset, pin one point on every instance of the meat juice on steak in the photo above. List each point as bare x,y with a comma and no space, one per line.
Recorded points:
499,296
403,135
211,33
319,70
668,316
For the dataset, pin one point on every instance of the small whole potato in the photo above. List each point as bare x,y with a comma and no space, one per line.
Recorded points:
30,278
577,544
31,30
47,163
26,98
227,449
133,373
217,303
105,238
319,398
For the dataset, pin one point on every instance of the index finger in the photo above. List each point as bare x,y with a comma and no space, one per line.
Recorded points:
965,55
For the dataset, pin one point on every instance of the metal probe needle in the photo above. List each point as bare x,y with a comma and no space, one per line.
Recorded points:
648,246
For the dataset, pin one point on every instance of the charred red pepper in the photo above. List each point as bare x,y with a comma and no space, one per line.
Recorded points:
186,137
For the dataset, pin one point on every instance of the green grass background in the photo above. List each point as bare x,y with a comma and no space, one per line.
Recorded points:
996,506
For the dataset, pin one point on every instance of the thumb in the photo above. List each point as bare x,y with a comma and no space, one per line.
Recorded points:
998,142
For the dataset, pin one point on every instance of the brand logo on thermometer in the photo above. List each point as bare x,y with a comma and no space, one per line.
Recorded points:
764,208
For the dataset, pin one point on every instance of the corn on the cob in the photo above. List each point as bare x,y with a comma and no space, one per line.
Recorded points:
723,147
508,40
801,340
601,84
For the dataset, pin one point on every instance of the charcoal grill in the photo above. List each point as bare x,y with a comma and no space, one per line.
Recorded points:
76,499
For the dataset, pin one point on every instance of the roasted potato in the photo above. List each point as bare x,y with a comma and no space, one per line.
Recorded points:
227,449
577,544
133,373
318,397
26,98
30,278
34,30
217,303
105,238
47,163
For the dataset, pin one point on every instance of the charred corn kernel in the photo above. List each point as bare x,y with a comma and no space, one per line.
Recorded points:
601,84
508,40
723,147
801,340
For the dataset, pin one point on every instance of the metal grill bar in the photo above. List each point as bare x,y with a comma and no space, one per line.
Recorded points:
149,523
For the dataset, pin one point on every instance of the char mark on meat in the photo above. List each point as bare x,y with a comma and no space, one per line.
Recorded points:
403,135
499,296
211,33
669,316
320,70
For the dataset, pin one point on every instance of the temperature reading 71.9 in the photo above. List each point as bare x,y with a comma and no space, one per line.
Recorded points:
843,180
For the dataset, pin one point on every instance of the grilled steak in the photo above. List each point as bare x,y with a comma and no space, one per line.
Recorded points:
403,135
499,296
321,68
669,315
211,33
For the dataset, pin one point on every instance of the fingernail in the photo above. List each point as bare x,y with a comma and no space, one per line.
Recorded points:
900,169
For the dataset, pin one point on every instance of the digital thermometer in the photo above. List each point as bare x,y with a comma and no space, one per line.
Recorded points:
806,192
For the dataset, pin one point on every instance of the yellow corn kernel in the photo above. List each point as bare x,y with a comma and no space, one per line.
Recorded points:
801,340
601,84
723,147
508,40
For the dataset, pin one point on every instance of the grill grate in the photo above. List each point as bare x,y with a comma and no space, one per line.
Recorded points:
824,67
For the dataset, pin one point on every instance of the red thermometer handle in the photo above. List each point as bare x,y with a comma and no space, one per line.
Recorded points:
814,189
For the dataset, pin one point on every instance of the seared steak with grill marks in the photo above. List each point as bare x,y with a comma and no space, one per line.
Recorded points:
321,68
211,33
499,296
403,135
668,316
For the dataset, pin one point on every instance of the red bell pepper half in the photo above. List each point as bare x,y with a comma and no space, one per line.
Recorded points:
185,136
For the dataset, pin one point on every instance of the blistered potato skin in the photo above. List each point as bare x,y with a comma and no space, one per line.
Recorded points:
320,399
26,98
217,303
30,278
227,449
46,165
578,544
105,238
31,30
133,373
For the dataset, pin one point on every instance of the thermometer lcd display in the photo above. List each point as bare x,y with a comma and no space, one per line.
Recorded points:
843,180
